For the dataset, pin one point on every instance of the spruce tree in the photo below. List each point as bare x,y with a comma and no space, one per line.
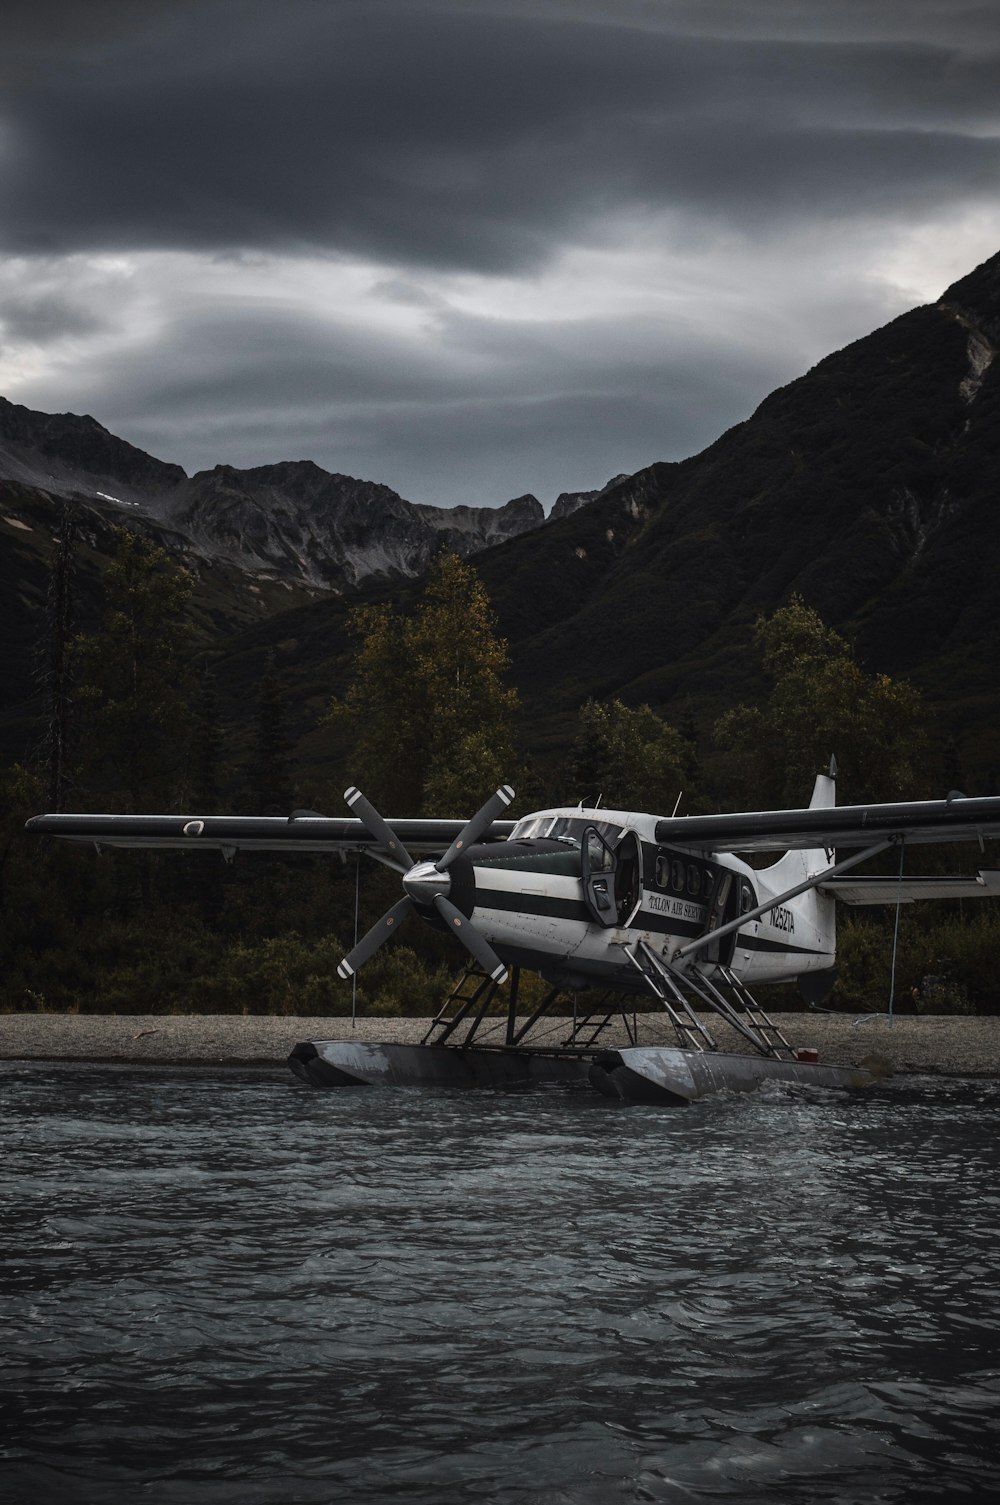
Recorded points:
821,702
269,779
57,674
132,692
428,710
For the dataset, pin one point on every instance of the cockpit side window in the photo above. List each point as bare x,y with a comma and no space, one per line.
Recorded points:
600,858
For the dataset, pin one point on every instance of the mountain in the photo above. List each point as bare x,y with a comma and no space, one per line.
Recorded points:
296,521
255,541
868,485
66,455
291,522
568,502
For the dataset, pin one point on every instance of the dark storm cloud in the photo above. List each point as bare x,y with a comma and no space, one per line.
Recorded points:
483,412
41,316
473,247
457,137
209,360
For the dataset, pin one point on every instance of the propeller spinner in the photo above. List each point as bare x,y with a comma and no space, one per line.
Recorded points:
427,885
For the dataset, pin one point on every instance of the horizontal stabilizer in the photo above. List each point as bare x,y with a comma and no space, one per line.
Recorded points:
889,890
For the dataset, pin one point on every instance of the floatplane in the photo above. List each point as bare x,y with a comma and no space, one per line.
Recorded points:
610,905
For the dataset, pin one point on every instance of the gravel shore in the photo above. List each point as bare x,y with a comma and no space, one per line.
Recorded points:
944,1044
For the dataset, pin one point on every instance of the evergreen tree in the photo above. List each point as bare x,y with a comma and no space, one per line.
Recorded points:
134,712
205,776
430,716
378,713
630,759
268,777
57,674
465,710
821,702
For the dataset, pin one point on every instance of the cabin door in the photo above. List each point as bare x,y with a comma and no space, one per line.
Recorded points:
612,877
721,909
730,897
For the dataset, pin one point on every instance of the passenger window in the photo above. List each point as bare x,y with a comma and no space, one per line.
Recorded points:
677,877
694,880
663,872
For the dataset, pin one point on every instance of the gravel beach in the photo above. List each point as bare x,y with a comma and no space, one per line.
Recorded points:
954,1046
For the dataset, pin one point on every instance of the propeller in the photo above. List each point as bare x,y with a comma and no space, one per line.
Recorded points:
427,884
370,817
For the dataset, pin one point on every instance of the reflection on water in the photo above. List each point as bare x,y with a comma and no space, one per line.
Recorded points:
241,1290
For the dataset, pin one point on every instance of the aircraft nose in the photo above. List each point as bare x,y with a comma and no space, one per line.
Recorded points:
424,882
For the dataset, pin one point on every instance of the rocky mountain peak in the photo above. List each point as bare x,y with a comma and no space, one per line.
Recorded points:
69,452
290,520
568,502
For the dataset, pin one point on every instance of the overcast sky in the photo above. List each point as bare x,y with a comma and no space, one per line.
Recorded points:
474,248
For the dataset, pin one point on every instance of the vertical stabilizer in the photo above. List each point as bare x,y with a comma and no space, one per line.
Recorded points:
796,865
818,910
824,795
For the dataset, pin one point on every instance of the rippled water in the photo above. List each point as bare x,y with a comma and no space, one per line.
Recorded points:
241,1290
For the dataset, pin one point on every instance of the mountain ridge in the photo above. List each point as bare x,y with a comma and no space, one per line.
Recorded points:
286,520
867,485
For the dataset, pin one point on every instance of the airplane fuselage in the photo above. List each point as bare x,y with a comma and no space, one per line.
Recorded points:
544,906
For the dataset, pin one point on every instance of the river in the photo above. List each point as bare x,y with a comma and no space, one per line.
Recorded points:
227,1287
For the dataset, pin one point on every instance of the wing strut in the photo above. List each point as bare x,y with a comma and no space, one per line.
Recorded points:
790,893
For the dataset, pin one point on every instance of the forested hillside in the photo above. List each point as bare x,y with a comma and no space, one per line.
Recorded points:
431,719
868,486
633,650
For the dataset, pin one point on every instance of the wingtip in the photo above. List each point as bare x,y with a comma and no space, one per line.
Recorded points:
345,970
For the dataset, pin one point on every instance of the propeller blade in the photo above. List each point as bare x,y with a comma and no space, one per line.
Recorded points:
383,833
381,931
473,942
480,822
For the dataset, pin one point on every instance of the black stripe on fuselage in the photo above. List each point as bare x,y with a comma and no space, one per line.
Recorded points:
532,904
657,861
544,906
573,909
775,948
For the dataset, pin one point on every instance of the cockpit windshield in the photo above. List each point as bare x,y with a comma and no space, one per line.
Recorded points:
567,828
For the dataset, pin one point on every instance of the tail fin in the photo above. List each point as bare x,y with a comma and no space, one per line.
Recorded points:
796,865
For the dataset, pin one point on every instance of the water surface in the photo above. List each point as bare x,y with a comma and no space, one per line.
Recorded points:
232,1288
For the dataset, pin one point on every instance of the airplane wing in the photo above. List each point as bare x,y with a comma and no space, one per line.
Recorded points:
840,826
885,889
250,833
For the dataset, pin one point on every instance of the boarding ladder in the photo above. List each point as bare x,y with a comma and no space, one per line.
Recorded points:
747,1008
471,996
672,988
664,983
474,994
599,1017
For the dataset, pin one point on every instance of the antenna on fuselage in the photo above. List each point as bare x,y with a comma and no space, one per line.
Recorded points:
677,804
831,772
